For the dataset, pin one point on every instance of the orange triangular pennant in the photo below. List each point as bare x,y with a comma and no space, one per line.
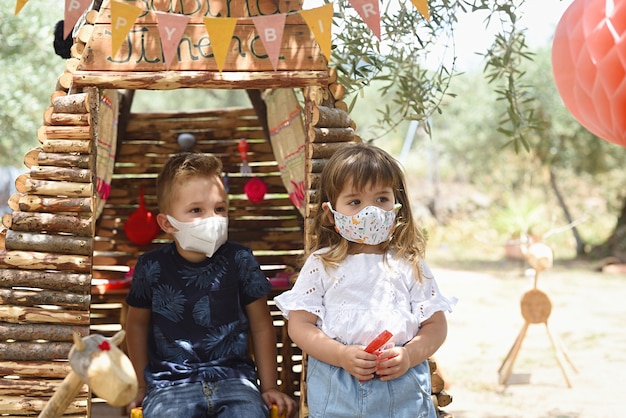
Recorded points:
171,29
220,31
270,29
19,4
370,13
320,20
123,16
422,7
73,11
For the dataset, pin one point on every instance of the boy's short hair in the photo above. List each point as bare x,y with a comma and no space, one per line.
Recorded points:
180,167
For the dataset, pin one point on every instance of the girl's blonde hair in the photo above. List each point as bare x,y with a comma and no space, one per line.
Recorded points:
180,167
364,165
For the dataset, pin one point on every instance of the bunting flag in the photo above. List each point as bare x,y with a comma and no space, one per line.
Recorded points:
19,5
171,29
220,31
270,29
369,12
320,21
172,26
73,11
123,16
422,7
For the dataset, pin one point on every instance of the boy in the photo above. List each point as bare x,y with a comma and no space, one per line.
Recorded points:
193,303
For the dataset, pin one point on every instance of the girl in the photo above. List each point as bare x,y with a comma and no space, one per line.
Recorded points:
364,273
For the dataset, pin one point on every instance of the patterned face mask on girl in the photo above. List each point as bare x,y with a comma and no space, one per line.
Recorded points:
203,236
371,226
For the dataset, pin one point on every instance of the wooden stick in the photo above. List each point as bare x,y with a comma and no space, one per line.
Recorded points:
31,260
64,145
34,369
52,223
73,103
34,351
79,175
24,184
17,314
168,80
318,135
21,405
44,297
52,332
32,203
328,117
53,280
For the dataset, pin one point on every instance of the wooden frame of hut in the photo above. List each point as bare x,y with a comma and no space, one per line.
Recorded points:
64,245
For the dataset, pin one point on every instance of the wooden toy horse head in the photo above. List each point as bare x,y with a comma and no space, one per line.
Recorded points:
97,361
104,367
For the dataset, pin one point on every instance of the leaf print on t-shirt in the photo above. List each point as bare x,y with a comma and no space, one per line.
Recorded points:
248,269
168,302
205,277
202,311
227,340
144,277
179,351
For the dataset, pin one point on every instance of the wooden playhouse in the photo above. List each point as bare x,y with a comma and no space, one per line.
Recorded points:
65,257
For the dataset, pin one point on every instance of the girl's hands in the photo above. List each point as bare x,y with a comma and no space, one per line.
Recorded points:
356,361
392,363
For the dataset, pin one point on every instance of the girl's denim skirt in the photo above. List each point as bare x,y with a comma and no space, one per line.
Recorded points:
333,392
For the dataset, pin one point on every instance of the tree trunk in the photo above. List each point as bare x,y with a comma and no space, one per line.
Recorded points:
580,244
615,244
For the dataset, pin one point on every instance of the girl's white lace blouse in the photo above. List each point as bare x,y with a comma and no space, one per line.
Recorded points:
364,296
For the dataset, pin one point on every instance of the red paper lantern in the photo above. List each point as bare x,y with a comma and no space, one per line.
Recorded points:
589,66
255,189
141,227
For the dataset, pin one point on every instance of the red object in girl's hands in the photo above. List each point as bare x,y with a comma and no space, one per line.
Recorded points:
379,341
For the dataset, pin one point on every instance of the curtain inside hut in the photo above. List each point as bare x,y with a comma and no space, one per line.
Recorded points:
286,125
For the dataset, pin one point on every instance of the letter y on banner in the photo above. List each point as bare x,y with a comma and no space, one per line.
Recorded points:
171,29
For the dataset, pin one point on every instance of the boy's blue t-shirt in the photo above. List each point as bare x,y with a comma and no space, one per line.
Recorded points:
198,330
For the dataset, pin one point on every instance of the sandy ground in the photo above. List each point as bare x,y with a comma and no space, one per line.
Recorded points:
588,317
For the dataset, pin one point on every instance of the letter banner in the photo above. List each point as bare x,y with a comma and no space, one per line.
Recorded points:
369,12
123,16
320,20
19,4
171,29
422,7
270,29
74,9
220,31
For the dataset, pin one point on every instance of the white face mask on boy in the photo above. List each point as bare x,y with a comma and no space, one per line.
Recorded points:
203,236
371,225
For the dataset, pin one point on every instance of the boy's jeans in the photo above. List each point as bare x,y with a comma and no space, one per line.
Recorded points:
231,398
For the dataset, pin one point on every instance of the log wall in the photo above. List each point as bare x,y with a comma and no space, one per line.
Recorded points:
46,259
